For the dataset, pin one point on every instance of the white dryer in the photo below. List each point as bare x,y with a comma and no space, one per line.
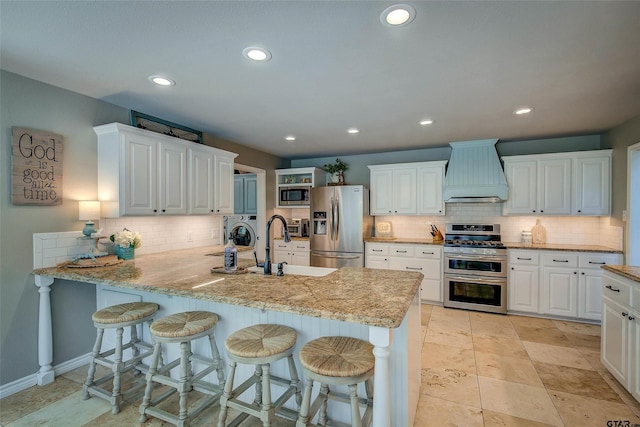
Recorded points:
241,229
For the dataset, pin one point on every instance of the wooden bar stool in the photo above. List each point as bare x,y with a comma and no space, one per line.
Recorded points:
182,328
260,345
118,317
337,361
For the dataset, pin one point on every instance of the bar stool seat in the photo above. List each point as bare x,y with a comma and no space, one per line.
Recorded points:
182,328
118,317
260,345
337,361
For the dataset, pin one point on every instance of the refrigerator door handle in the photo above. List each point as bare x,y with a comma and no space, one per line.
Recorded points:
336,218
335,256
332,226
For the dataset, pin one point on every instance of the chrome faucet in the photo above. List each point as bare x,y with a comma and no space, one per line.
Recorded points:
267,258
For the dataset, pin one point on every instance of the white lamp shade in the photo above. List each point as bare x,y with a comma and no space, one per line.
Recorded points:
88,209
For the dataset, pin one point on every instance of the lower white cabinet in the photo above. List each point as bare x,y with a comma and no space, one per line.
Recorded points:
426,259
296,252
558,283
524,279
620,334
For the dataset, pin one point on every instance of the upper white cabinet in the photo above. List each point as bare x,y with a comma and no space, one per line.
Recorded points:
407,189
577,183
224,184
146,173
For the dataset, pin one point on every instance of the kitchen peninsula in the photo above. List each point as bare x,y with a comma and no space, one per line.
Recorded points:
380,306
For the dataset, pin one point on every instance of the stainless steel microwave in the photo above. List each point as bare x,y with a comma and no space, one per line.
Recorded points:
294,196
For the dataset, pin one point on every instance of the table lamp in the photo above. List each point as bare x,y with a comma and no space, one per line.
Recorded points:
89,210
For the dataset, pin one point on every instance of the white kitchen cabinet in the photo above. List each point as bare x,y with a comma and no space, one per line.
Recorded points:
296,252
592,185
559,183
146,173
620,333
245,191
558,283
430,184
523,287
393,190
224,185
407,189
426,259
201,180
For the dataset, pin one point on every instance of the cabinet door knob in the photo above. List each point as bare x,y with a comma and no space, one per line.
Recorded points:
632,318
541,211
164,210
579,211
155,210
624,314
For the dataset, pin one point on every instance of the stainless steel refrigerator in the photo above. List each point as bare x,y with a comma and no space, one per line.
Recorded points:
340,223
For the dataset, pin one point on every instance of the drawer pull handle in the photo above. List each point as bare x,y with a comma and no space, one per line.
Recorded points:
598,263
524,259
560,260
376,250
428,253
632,318
414,268
401,252
300,247
611,288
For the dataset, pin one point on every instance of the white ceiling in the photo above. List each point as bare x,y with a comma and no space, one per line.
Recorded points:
466,65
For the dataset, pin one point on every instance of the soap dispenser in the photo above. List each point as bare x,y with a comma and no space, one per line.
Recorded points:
230,256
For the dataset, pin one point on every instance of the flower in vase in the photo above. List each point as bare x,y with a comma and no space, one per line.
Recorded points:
127,238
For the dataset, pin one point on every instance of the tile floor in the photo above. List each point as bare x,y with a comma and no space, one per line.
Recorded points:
478,369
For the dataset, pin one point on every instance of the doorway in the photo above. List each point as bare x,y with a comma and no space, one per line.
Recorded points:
261,204
633,205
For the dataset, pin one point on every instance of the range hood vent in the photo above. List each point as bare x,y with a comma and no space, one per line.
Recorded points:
474,173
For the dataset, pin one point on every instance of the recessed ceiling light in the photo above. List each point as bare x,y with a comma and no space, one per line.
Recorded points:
290,138
398,15
161,80
426,122
523,110
353,130
257,54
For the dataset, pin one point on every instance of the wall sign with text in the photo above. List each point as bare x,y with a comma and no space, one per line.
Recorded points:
37,167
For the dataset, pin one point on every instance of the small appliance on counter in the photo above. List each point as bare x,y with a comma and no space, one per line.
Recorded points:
298,227
384,230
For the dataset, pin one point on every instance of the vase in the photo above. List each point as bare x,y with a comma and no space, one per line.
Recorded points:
125,253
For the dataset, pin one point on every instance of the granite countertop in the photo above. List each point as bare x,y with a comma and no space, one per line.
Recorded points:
628,271
561,247
359,295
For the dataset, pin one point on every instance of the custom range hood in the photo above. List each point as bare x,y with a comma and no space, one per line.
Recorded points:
474,173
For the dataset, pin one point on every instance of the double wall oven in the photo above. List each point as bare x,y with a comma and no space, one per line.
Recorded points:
475,268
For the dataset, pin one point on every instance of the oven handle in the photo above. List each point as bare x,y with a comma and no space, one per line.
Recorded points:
477,257
499,281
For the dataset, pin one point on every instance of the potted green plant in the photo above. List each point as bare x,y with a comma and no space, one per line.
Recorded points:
337,170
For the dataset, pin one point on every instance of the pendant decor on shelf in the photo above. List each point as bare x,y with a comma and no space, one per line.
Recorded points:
36,157
336,170
154,124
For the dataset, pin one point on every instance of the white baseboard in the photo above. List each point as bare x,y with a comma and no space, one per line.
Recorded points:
31,380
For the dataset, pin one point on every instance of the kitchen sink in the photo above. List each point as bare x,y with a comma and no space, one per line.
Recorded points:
300,270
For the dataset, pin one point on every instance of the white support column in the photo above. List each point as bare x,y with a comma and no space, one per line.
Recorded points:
381,340
45,332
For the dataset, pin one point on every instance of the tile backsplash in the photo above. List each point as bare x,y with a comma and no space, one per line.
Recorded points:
159,234
588,230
